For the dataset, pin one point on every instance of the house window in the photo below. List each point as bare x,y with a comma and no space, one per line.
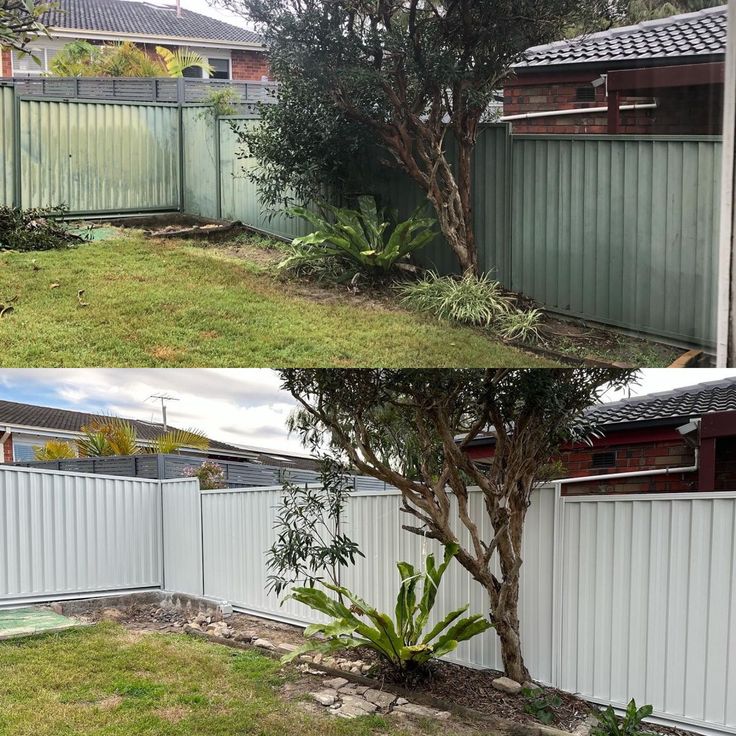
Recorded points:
23,451
220,68
193,72
25,65
585,94
604,459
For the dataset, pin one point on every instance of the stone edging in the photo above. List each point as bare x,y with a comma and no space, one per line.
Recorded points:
424,699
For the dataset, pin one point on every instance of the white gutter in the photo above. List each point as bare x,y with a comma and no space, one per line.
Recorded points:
161,40
576,111
635,473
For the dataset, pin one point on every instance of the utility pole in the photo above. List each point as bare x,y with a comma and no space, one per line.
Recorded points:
726,338
163,398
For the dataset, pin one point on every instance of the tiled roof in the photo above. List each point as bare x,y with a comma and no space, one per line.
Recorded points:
680,403
45,417
675,38
140,18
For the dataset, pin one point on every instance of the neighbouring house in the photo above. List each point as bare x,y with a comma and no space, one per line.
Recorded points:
674,441
25,426
663,77
233,52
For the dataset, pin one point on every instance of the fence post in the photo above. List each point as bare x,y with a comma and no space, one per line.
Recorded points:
17,179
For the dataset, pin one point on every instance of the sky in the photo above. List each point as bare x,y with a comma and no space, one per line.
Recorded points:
240,406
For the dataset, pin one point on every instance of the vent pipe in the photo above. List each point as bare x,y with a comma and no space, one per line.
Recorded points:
178,8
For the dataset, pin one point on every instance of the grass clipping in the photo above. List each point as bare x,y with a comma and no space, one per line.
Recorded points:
472,300
35,229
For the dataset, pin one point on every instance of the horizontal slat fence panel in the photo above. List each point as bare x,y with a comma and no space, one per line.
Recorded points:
619,230
63,533
99,157
648,596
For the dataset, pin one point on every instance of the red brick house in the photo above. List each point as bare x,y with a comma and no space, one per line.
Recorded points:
658,77
233,52
674,441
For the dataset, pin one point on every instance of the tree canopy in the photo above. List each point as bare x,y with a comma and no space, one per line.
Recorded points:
403,75
20,22
376,418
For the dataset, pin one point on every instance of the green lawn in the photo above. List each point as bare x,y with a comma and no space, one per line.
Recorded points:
176,304
107,680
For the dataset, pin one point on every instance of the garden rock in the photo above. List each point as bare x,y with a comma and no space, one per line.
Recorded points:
264,644
243,636
284,648
380,698
419,711
325,697
336,683
507,685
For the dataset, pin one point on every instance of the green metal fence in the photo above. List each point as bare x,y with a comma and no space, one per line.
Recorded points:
619,230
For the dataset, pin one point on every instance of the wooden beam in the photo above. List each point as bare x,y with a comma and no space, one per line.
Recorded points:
614,114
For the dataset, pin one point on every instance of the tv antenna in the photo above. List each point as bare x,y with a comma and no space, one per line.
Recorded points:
163,398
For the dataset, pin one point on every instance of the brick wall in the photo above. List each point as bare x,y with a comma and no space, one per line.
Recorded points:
250,65
6,63
680,111
8,450
579,462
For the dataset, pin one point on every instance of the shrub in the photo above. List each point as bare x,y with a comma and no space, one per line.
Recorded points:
362,241
540,705
470,299
35,229
210,475
54,450
609,724
473,300
401,641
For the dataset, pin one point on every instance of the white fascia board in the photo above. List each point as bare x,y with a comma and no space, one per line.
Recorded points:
72,33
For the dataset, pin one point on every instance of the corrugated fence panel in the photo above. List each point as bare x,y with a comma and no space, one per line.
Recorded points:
649,604
99,157
182,529
374,521
200,162
7,148
240,200
62,533
238,530
621,231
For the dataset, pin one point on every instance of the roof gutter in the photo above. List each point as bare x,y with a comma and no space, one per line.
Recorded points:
146,38
576,111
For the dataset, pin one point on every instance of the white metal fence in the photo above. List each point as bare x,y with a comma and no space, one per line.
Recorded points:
66,534
622,596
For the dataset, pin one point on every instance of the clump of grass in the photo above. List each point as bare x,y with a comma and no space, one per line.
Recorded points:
472,300
520,325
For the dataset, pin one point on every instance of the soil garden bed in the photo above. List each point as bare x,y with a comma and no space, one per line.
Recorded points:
347,679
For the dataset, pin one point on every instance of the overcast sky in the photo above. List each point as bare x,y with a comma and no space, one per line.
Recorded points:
244,407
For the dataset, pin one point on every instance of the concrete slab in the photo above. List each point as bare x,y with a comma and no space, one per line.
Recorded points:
24,621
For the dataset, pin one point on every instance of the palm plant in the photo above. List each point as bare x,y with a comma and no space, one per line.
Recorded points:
364,238
401,641
54,450
83,59
115,436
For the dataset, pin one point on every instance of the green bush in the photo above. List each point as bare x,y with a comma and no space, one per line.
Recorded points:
473,300
609,724
358,241
540,705
401,641
35,229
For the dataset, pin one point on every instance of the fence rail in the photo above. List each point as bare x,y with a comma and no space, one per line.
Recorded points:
126,89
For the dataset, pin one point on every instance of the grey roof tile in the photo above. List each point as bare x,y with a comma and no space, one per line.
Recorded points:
129,17
677,37
46,417
679,403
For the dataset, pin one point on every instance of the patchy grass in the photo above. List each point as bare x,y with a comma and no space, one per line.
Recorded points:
99,680
162,303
